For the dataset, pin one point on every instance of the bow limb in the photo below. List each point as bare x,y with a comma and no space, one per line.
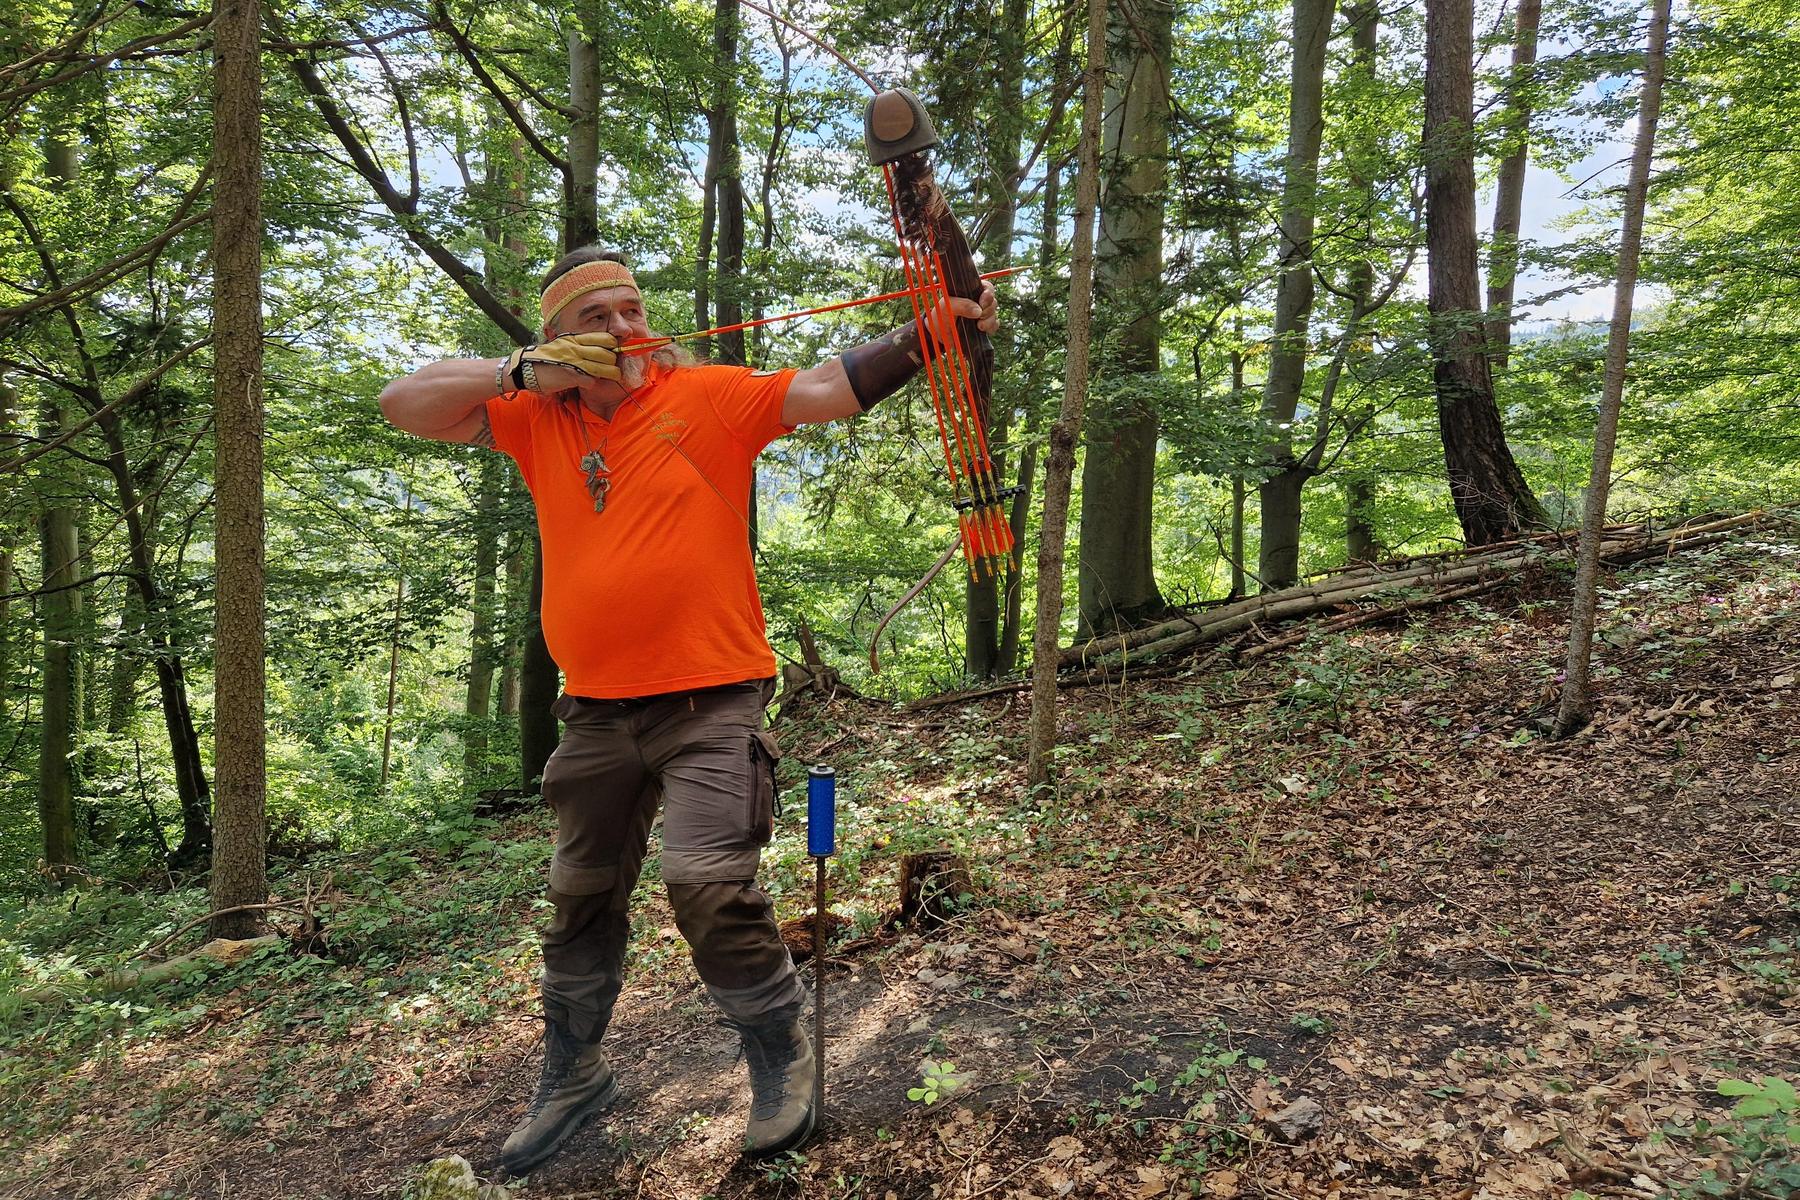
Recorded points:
911,594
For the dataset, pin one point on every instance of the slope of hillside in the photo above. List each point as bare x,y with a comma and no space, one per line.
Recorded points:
1341,923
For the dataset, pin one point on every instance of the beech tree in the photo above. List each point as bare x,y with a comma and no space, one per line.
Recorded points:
239,866
1118,581
1576,706
1059,469
1493,501
1278,563
61,603
1509,189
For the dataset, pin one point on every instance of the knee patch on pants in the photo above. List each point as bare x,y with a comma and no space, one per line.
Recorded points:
574,880
699,867
730,928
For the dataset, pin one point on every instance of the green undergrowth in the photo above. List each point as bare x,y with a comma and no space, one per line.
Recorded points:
419,942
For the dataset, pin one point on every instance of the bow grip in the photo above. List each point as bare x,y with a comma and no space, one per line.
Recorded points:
895,124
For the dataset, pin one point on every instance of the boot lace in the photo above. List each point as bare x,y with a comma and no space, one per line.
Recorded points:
561,1052
769,1048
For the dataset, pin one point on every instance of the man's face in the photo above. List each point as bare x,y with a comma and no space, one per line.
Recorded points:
616,310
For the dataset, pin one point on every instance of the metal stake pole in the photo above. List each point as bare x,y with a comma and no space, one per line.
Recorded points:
821,843
819,989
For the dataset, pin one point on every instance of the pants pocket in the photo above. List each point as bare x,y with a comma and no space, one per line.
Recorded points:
765,754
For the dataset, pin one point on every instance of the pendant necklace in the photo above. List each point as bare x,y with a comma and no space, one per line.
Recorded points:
593,463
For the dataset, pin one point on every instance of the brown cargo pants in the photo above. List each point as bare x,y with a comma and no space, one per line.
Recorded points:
706,759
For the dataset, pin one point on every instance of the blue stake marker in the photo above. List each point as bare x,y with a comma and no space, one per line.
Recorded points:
821,843
821,812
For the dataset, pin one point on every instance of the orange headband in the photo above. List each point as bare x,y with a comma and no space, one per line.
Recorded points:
588,277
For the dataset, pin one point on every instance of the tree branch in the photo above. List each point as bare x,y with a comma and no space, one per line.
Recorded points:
466,49
402,207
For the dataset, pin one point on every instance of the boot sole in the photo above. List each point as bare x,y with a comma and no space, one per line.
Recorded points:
793,1141
517,1168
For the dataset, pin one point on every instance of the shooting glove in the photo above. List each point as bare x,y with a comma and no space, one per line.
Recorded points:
590,353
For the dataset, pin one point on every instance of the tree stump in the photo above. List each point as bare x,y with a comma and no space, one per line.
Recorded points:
934,887
797,679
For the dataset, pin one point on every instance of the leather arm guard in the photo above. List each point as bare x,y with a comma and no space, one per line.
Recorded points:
880,368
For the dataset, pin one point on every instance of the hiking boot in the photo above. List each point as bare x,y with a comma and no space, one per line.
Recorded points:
576,1084
782,1072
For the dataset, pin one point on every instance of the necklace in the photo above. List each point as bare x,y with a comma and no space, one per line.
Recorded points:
593,463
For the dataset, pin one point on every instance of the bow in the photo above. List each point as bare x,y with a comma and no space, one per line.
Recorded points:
959,357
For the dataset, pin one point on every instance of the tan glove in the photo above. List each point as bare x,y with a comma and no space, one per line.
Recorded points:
590,353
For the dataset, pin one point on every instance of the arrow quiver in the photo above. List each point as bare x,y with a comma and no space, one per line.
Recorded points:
959,358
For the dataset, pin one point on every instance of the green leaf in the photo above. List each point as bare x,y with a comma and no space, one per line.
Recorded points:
1736,1087
1755,1106
915,1093
1781,1092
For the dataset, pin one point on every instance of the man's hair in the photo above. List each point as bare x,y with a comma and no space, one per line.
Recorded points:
672,355
574,258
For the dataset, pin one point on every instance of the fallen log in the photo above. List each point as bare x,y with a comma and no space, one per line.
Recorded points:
1174,636
218,952
1156,650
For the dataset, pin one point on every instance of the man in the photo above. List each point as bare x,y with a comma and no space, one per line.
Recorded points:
641,469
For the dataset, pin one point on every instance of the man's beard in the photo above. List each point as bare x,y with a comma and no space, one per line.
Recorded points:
631,371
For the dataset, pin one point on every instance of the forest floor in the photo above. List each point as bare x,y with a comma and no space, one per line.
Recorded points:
1353,882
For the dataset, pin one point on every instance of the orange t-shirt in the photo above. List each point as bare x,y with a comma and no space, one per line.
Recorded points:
657,593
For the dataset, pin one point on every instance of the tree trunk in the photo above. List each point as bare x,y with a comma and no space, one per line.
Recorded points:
1237,536
1278,558
59,612
517,602
8,440
728,184
240,829
1360,544
127,667
171,677
87,642
1050,236
983,655
1059,471
506,180
1118,476
479,698
709,220
1509,192
539,683
581,215
1576,708
779,128
394,637
1493,501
